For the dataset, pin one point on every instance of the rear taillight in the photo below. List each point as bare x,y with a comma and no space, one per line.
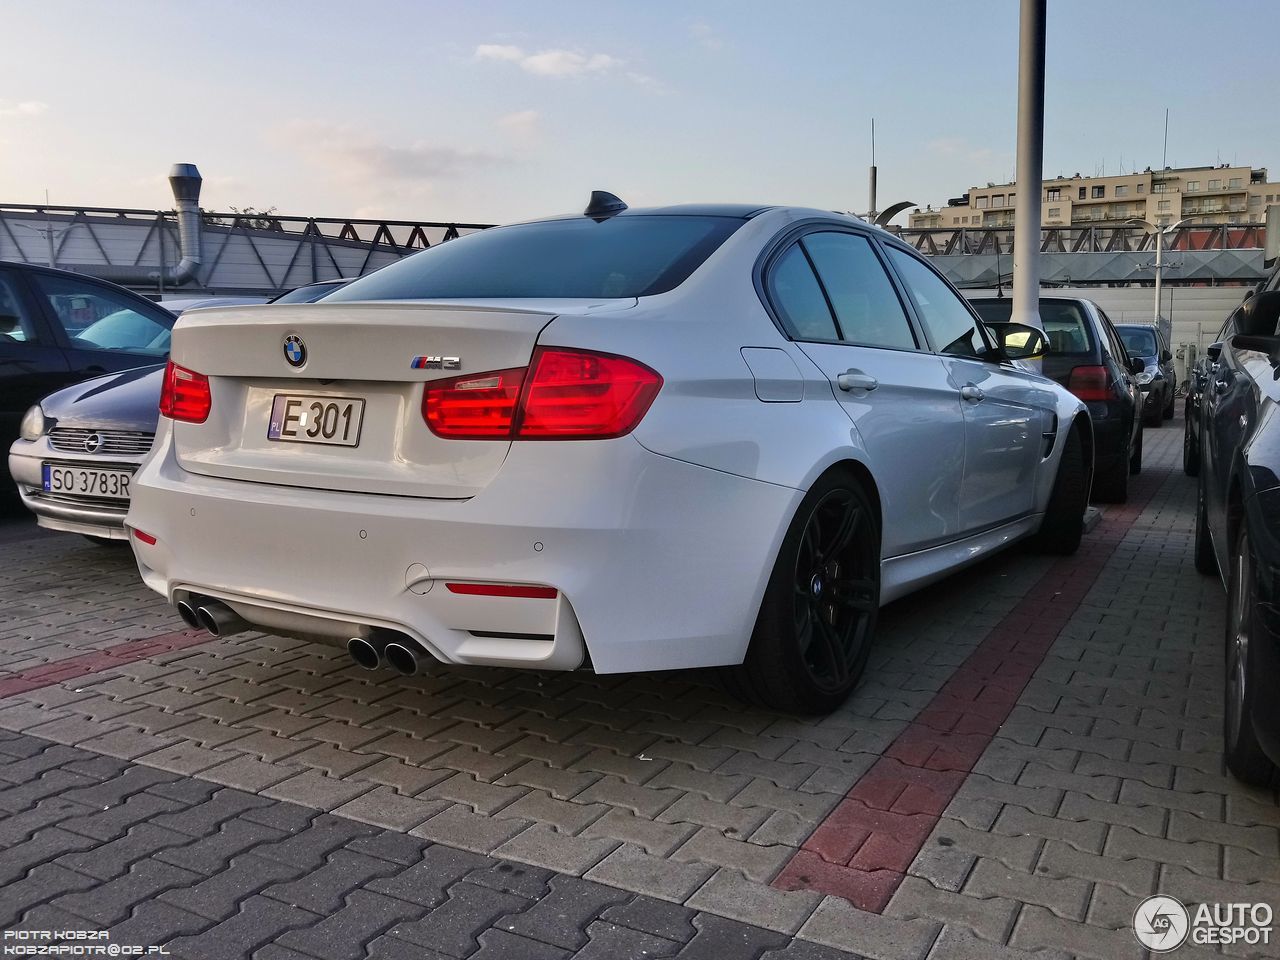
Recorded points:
185,395
564,394
479,406
1091,383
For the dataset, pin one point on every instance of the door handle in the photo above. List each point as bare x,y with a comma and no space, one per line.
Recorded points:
970,392
854,379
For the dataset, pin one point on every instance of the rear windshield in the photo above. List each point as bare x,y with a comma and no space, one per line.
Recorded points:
1138,341
624,256
1065,325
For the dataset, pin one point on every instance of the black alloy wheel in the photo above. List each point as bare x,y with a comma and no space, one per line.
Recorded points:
817,619
836,586
1243,753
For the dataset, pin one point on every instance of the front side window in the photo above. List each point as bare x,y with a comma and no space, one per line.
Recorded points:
952,327
623,256
798,298
16,324
100,318
866,306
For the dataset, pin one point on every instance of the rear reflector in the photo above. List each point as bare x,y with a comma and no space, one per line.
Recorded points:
144,537
185,395
503,590
1091,383
564,394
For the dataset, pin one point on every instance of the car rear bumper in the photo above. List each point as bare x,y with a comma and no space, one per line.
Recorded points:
657,563
91,516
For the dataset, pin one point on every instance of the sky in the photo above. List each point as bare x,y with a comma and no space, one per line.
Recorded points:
498,111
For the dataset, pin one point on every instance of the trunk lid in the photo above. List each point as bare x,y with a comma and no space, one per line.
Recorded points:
353,351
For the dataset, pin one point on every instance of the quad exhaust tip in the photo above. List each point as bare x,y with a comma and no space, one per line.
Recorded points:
401,659
219,619
364,653
188,614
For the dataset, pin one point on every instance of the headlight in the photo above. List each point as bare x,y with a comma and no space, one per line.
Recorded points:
33,424
1144,377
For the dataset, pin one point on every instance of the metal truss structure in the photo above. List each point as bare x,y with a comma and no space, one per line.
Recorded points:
262,253
1092,255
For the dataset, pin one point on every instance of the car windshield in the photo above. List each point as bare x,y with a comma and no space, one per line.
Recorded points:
623,256
1065,325
1139,341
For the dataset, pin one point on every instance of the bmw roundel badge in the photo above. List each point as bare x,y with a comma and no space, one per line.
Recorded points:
295,351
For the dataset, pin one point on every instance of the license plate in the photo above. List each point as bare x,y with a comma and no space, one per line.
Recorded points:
87,481
330,420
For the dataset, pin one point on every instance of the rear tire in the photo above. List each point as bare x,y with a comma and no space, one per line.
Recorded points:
1063,524
1206,562
1244,755
1135,458
818,616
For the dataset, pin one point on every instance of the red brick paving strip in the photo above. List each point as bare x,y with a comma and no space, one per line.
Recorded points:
862,850
127,652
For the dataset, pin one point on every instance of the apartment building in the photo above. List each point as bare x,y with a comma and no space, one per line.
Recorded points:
1223,194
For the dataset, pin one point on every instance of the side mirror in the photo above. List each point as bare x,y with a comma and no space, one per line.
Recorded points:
1137,365
1258,316
1019,341
1165,356
1214,351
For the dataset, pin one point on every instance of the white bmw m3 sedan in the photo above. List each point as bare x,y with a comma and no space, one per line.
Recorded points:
697,436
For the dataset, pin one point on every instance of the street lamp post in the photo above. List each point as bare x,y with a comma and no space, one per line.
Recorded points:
1159,232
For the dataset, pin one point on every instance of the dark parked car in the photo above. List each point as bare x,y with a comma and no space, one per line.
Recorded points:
79,448
1197,383
1087,357
1158,380
1238,527
311,292
58,328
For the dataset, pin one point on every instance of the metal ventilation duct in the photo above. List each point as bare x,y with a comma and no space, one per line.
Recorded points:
185,180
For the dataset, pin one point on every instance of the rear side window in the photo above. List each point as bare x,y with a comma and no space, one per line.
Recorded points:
15,323
866,306
798,298
623,256
953,329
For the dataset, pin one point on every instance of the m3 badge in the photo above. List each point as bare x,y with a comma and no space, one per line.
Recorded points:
436,363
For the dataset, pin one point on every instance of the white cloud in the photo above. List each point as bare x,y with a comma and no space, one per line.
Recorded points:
549,63
23,108
522,123
352,155
496,51
703,33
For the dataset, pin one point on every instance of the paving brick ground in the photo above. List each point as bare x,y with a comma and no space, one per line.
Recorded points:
259,796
